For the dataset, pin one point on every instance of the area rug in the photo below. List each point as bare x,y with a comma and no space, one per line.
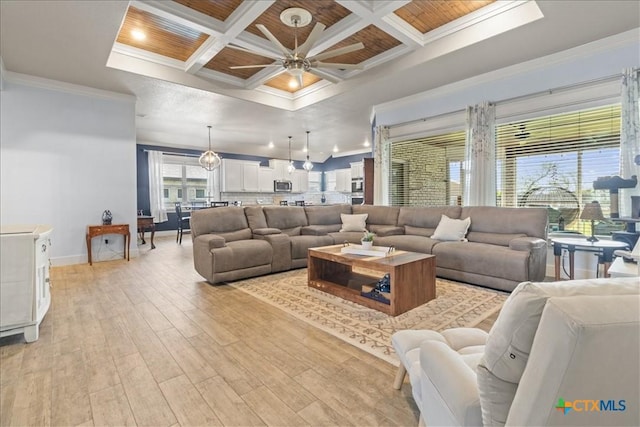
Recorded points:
455,305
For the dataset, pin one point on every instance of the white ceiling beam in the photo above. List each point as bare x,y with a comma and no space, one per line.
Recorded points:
146,55
182,15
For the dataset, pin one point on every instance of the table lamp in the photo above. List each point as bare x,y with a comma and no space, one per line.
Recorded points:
592,212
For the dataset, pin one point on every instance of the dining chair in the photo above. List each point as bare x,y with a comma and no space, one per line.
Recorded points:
284,203
184,222
219,204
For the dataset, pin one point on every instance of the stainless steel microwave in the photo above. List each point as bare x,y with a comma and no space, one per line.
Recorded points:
282,186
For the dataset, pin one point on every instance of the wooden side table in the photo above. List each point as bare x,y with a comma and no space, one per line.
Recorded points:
146,223
100,230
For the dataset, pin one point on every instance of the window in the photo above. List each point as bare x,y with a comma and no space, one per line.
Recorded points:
184,180
552,161
427,171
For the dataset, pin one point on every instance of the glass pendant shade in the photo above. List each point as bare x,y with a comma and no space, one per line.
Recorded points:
209,159
307,165
291,167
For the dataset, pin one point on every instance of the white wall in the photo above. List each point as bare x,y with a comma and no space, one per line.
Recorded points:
65,158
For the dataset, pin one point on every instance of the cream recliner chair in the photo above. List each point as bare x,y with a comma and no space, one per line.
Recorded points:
561,344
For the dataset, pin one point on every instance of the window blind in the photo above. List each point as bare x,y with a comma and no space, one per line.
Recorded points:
552,161
427,171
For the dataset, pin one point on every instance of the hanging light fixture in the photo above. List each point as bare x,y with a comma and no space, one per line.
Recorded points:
308,165
291,168
209,160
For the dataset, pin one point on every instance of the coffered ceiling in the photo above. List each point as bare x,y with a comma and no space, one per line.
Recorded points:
206,38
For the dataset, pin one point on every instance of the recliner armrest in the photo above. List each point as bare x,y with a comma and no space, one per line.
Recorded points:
527,244
266,231
449,387
211,241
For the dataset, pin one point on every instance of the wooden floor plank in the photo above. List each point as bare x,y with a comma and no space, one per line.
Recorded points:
148,342
110,407
187,403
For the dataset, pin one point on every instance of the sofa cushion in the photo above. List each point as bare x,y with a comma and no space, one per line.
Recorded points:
511,337
356,222
218,221
418,231
385,230
452,229
232,236
255,217
320,230
529,221
241,254
378,215
289,219
326,215
420,244
482,259
347,236
301,244
425,217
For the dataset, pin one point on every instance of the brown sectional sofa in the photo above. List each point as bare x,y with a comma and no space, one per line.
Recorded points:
505,246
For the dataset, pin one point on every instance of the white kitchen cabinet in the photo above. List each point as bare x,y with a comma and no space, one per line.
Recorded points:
25,296
300,181
343,180
265,180
280,171
239,176
357,170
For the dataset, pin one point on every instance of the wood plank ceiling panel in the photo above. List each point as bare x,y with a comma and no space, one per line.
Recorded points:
375,42
427,15
327,12
281,81
163,36
219,9
228,57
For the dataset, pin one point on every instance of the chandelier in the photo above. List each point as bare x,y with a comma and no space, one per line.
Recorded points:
291,168
209,159
307,165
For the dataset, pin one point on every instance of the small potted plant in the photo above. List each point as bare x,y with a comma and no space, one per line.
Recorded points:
367,240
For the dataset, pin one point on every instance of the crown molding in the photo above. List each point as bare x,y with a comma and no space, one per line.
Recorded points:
74,89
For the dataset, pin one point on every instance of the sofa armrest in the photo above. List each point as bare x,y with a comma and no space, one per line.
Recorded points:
527,244
281,245
265,231
210,241
537,249
449,390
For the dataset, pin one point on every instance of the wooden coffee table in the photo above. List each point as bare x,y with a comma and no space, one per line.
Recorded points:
413,277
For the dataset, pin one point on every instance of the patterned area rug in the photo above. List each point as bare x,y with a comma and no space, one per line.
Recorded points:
456,305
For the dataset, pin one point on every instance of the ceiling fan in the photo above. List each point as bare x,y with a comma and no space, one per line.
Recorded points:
296,61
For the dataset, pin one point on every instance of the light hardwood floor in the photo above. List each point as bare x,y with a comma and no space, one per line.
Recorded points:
148,342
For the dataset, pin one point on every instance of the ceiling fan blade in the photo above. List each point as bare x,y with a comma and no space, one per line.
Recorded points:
238,67
304,48
242,49
337,52
274,40
324,76
336,65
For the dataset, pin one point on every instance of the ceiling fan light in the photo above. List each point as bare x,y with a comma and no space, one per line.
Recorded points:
295,72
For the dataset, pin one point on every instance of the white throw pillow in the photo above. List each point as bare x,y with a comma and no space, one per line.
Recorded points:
452,229
356,222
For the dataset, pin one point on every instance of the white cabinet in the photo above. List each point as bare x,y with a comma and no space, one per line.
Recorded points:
24,279
300,181
280,171
343,180
239,176
357,170
265,180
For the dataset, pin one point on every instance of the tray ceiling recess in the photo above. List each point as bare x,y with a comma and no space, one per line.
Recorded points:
263,50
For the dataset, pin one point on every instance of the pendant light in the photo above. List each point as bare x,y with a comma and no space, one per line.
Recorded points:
308,165
209,160
291,168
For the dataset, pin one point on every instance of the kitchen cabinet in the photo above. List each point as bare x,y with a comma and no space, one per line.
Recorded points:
25,296
239,176
280,171
300,181
357,170
265,179
343,180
